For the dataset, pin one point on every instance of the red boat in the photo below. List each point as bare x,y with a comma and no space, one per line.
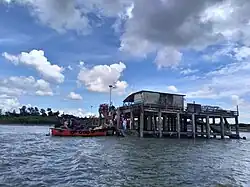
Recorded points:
83,133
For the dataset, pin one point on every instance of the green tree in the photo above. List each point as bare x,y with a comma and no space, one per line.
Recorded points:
56,113
37,111
43,112
50,113
23,111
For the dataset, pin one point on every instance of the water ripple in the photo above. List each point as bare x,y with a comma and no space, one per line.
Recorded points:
29,158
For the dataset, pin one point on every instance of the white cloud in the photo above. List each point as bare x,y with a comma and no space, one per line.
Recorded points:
44,93
146,28
236,100
76,112
14,86
8,103
39,62
232,79
224,50
242,53
98,78
168,57
60,16
81,64
70,68
74,96
188,71
172,88
185,25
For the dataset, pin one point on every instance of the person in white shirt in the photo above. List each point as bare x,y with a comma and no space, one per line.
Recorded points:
124,123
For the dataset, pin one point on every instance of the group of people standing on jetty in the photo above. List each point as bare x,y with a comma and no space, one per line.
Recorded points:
107,112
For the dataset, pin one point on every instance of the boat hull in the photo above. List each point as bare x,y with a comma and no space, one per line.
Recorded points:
82,133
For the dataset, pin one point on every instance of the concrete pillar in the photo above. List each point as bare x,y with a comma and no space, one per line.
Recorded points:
141,125
237,126
193,125
159,124
132,126
178,125
207,127
222,128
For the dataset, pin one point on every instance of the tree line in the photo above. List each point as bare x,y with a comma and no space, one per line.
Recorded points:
30,111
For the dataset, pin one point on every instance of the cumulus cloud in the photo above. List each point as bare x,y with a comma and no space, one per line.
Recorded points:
168,57
74,96
172,88
98,78
145,28
37,60
8,103
14,86
60,15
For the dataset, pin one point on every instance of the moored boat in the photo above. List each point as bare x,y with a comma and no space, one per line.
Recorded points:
83,133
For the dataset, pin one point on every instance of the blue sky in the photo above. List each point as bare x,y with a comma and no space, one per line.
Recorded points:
65,56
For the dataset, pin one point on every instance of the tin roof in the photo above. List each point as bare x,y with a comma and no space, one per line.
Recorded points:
130,98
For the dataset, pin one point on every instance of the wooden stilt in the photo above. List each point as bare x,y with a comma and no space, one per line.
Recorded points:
160,124
178,125
222,125
193,125
207,127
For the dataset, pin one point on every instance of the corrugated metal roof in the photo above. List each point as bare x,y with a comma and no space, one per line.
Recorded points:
130,98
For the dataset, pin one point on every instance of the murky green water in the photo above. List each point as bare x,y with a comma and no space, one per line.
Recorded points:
29,158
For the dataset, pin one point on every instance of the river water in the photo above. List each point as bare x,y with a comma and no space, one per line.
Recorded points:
29,158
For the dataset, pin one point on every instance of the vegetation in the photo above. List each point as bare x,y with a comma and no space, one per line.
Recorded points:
30,115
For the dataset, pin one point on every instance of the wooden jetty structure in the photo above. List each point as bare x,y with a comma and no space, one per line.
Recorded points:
164,115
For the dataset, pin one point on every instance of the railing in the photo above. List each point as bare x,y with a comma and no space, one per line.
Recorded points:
150,106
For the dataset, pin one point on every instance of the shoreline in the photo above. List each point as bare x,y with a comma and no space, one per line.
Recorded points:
26,124
241,130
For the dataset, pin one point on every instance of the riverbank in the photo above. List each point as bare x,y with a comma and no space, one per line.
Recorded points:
41,120
23,120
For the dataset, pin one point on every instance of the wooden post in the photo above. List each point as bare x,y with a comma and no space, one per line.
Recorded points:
178,125
149,123
132,126
202,127
207,127
222,128
159,124
193,125
237,127
141,126
118,119
164,123
168,123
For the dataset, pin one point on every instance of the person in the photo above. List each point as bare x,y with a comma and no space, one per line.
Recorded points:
124,124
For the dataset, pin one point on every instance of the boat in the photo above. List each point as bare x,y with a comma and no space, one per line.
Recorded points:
82,133
73,127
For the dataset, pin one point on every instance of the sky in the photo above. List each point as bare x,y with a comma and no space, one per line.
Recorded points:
65,55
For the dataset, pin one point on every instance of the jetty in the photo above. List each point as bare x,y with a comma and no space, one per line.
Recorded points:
159,114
